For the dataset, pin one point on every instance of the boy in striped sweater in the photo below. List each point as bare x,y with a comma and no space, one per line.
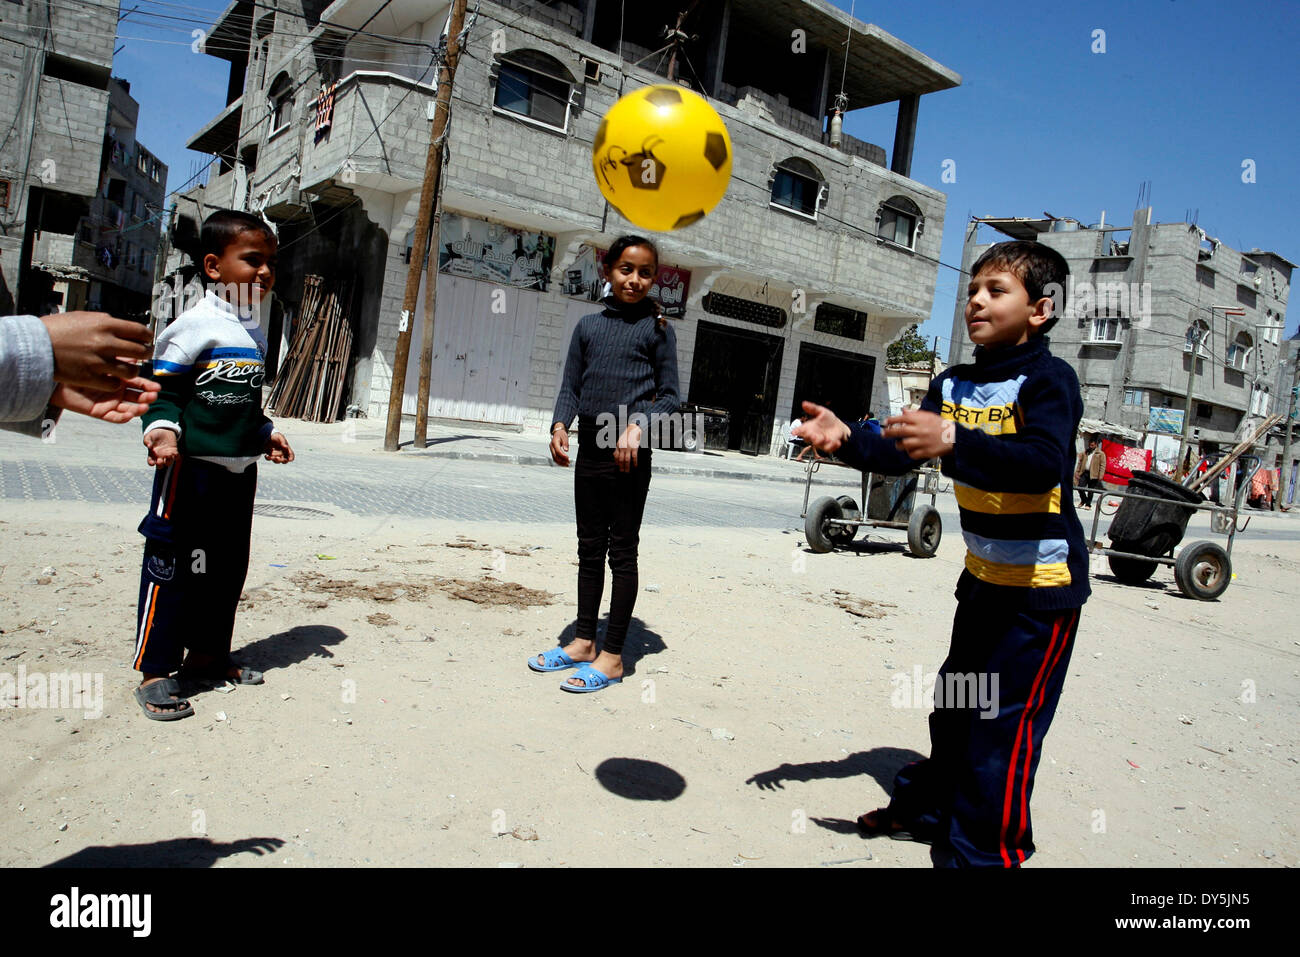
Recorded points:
204,435
1003,427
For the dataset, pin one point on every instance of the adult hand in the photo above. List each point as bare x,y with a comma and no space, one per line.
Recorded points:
162,446
95,351
824,431
278,450
130,399
922,435
628,443
560,445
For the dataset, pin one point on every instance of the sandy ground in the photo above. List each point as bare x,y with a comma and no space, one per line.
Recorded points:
399,726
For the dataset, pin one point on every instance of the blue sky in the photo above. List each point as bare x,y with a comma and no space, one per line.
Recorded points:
1183,94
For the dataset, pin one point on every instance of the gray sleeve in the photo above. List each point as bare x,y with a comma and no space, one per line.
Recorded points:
26,369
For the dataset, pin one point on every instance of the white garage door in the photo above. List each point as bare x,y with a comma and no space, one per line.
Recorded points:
483,345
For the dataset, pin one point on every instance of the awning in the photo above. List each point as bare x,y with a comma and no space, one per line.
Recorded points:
1098,427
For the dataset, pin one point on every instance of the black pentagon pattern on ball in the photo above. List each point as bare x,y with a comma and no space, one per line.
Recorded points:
715,149
688,219
663,96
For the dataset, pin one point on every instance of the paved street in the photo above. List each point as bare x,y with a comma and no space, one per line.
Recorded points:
91,462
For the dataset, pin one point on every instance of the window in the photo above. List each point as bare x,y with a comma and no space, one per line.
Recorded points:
281,101
839,321
1198,334
1260,401
1203,410
1134,396
1205,276
756,312
1239,351
146,263
797,187
1104,329
132,255
898,220
535,86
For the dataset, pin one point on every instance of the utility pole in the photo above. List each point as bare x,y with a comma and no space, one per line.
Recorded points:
420,241
934,355
1191,379
426,341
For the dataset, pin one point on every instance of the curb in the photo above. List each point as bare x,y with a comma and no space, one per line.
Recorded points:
505,458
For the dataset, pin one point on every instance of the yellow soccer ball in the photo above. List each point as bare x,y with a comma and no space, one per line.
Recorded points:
662,157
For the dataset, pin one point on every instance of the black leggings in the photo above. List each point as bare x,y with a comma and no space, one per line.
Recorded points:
609,504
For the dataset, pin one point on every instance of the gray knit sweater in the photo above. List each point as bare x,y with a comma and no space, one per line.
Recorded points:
618,356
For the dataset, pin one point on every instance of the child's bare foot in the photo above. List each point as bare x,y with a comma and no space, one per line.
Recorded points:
580,649
611,666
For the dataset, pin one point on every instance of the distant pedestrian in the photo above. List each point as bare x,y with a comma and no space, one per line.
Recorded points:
621,366
1089,471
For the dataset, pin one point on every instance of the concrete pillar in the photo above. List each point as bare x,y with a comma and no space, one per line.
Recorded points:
717,53
905,134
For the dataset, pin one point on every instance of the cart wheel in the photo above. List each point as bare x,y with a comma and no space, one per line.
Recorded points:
1203,570
843,534
690,440
1110,504
822,537
924,530
1131,571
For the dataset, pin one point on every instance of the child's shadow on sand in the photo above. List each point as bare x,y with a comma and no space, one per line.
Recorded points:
641,641
278,651
880,763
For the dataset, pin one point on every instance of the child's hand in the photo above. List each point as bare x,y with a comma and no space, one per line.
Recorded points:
278,450
560,446
628,443
922,435
824,431
162,446
95,351
119,405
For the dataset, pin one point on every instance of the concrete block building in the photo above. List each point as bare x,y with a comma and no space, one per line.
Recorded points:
55,69
815,260
109,262
1147,300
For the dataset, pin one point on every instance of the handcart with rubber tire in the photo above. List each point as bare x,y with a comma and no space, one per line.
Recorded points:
832,522
1151,521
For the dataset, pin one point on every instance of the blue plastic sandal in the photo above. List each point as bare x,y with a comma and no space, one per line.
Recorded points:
593,680
555,660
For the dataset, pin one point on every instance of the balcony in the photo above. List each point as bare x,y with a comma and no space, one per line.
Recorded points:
221,134
369,142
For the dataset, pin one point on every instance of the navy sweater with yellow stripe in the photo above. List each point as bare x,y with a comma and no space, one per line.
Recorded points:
1017,410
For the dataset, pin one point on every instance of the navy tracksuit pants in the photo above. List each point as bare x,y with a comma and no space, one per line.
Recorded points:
196,548
970,798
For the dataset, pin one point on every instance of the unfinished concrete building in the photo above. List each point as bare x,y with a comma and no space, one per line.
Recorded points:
55,66
815,260
1145,301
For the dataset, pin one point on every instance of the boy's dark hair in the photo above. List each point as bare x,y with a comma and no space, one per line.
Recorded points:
1040,268
626,242
224,226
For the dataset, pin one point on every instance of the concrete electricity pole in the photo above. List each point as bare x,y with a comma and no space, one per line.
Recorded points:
1291,404
420,241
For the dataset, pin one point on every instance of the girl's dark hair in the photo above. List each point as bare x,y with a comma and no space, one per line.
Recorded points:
627,242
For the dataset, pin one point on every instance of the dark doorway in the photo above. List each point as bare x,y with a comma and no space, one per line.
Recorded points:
836,379
738,370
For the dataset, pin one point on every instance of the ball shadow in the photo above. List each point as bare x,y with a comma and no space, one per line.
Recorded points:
640,780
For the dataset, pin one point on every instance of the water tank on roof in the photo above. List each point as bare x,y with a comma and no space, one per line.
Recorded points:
1064,225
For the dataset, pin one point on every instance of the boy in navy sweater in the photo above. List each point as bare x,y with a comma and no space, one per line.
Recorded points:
1003,427
204,435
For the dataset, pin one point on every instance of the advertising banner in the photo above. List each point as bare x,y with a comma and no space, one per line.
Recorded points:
1169,421
477,249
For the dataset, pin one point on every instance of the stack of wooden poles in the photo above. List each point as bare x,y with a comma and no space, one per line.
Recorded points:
311,379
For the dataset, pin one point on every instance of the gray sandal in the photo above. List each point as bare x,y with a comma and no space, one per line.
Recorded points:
164,693
217,675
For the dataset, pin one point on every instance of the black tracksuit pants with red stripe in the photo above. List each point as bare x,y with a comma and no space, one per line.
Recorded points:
970,798
197,536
